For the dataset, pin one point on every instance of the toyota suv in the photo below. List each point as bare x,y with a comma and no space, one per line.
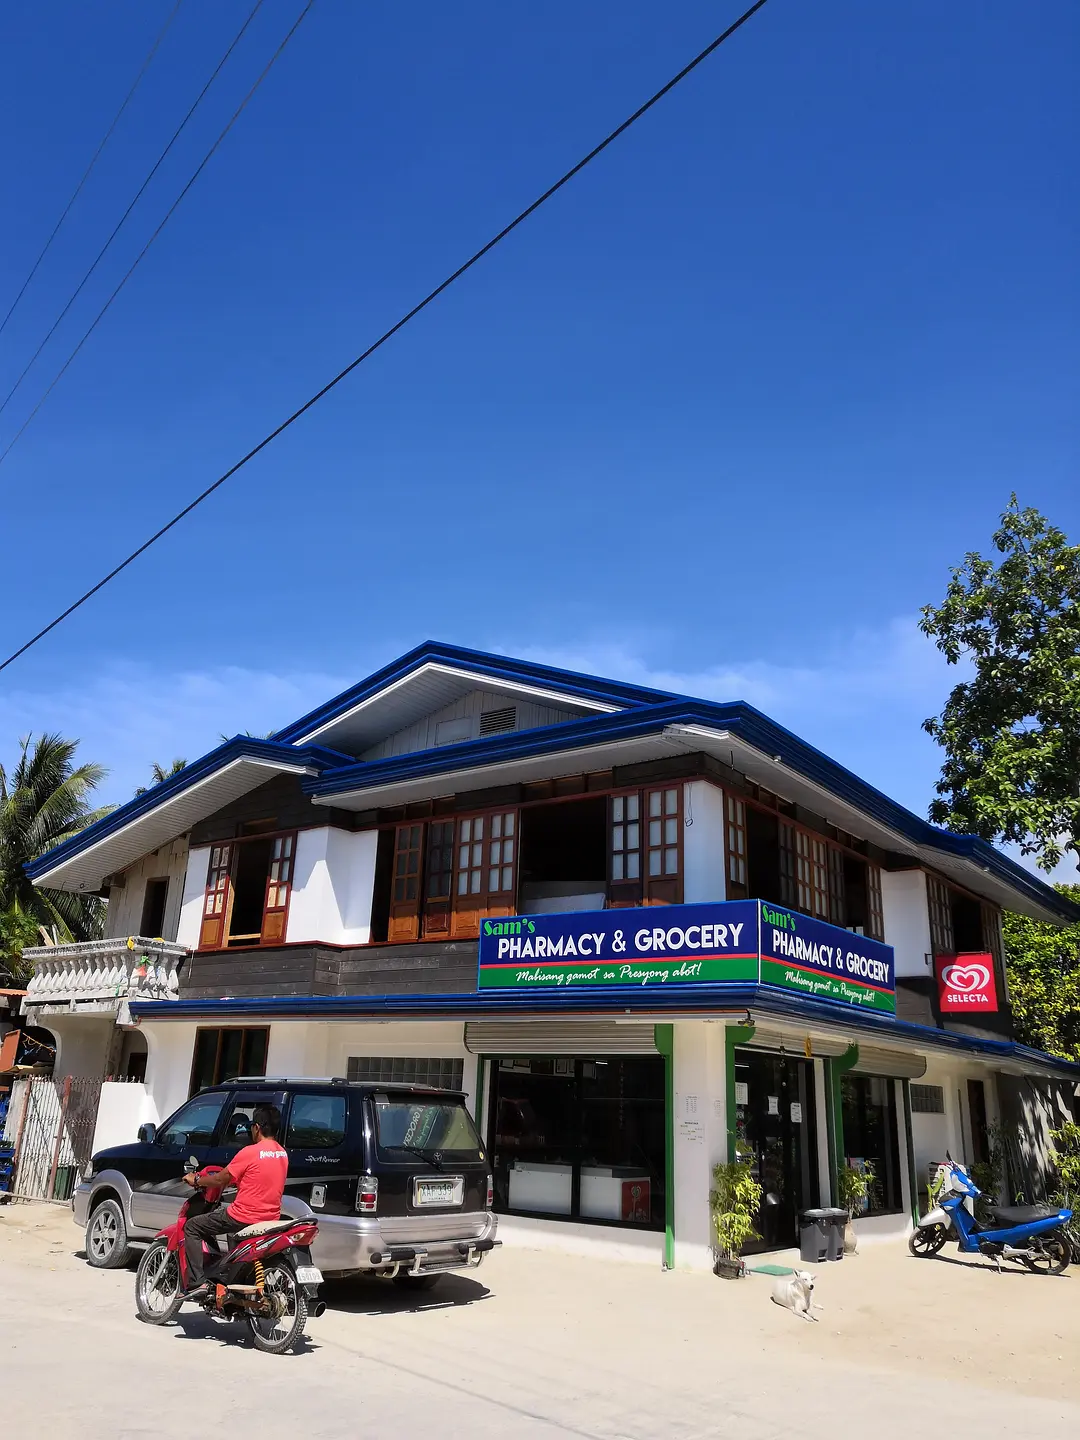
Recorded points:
396,1175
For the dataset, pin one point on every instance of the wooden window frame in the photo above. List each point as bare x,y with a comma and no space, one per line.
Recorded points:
475,856
406,881
939,913
736,873
664,885
219,889
875,907
624,890
222,1030
436,905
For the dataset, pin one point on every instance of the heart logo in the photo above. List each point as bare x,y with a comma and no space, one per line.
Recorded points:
966,978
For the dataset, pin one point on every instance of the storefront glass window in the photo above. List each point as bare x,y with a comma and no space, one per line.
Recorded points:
580,1138
870,1138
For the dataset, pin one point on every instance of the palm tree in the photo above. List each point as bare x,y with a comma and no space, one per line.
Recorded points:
158,773
44,802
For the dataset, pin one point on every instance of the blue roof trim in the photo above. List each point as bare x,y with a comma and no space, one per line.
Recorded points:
743,720
497,667
239,748
673,999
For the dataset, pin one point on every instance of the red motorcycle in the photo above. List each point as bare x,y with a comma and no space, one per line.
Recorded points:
266,1280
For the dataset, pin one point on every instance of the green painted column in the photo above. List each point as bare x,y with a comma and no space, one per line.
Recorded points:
664,1036
734,1035
913,1179
835,1068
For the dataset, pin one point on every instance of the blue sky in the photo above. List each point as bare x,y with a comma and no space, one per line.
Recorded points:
720,417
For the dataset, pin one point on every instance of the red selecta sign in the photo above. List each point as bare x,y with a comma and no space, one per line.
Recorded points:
966,983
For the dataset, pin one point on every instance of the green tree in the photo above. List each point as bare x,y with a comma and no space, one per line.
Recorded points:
1011,734
1044,981
43,802
158,773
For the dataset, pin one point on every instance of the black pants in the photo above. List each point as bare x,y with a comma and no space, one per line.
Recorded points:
203,1227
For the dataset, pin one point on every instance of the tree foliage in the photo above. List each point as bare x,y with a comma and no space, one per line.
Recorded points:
43,802
1044,981
158,773
1011,734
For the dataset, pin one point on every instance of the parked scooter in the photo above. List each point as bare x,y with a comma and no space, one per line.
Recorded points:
266,1278
1031,1235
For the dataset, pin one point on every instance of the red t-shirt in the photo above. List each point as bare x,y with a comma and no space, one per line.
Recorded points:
259,1171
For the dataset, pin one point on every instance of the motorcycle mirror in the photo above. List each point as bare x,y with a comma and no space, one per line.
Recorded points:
192,1163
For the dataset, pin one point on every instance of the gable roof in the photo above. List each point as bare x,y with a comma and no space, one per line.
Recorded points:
434,675
619,724
172,807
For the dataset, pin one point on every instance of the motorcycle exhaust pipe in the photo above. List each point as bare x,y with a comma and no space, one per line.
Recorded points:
318,1309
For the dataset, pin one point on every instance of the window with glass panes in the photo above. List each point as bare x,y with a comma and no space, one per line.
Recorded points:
404,921
438,877
737,886
875,927
501,849
470,858
215,902
626,837
486,879
941,929
663,833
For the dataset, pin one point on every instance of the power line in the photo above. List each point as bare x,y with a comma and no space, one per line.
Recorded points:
134,201
93,161
399,325
165,220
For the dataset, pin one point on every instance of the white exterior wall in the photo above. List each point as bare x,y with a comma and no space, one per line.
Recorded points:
191,906
333,884
124,913
703,842
907,920
700,1122
122,1108
422,735
170,1046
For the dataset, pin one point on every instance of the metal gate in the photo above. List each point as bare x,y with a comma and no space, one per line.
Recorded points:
53,1135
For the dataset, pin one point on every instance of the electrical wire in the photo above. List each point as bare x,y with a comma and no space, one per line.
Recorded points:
93,161
134,201
167,217
399,325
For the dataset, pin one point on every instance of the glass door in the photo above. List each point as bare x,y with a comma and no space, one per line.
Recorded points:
776,1135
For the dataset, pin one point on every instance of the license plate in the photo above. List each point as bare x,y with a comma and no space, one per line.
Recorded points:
309,1275
438,1192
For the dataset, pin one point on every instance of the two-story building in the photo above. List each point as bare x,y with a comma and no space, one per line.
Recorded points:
645,933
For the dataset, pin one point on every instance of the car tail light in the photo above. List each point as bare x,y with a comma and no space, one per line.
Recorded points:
490,1193
367,1194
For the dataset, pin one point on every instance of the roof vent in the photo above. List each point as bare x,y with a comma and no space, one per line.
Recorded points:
494,722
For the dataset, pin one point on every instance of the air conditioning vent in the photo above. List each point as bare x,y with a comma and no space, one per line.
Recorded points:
494,722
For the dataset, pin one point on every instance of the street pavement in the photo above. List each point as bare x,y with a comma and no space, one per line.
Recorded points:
536,1345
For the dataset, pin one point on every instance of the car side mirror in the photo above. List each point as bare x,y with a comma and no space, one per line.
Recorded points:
147,1134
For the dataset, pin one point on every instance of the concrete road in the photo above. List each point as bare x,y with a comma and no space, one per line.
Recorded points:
536,1345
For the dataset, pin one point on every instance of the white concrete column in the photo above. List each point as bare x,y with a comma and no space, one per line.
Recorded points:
700,1123
703,842
902,1145
821,1124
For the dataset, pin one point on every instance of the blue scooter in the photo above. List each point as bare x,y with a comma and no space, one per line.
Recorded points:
1030,1235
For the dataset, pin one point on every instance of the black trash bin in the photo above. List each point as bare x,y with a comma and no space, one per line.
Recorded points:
835,1224
813,1236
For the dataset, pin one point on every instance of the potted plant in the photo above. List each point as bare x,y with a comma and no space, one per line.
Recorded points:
853,1184
734,1200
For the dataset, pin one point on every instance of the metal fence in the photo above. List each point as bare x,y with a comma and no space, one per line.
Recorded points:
51,1125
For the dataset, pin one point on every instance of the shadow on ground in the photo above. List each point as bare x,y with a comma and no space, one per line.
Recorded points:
366,1295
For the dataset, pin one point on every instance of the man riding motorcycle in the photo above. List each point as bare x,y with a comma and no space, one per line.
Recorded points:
259,1172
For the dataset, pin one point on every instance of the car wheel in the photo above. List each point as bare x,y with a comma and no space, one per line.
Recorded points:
417,1282
107,1245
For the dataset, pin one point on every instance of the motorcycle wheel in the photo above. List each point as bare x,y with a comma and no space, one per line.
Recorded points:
1052,1259
277,1333
157,1285
927,1240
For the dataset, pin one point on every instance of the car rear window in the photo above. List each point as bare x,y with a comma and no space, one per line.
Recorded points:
406,1125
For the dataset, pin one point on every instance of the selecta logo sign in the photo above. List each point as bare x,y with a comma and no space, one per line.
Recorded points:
966,983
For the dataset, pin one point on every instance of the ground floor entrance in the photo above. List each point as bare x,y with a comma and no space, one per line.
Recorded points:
776,1135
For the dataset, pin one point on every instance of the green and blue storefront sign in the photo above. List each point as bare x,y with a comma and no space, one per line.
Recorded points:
734,942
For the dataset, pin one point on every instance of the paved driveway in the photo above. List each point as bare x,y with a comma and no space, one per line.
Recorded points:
539,1345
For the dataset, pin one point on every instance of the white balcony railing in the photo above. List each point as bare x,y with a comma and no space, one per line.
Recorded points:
101,975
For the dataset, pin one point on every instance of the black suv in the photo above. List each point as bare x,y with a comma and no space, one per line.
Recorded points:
396,1175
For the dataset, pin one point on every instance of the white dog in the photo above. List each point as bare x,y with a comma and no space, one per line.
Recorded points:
795,1292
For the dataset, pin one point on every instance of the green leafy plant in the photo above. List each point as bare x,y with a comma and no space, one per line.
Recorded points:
1065,1157
734,1200
1043,962
854,1185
